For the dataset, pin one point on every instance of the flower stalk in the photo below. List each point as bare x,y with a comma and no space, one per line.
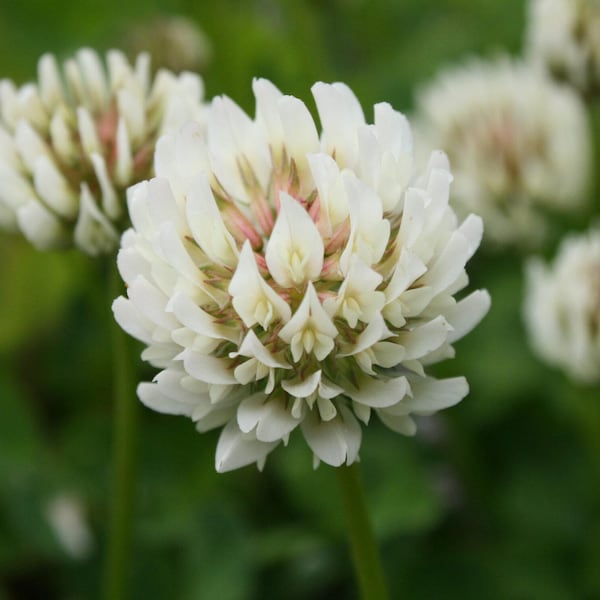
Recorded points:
365,554
124,461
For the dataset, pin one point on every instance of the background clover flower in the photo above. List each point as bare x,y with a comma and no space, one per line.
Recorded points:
517,141
283,278
564,36
562,307
71,144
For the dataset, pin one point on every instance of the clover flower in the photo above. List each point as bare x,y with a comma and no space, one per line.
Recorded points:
71,144
564,36
284,279
562,307
517,141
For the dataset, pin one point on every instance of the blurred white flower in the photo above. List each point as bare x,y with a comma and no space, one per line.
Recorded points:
285,279
564,36
71,144
562,307
518,145
174,42
66,517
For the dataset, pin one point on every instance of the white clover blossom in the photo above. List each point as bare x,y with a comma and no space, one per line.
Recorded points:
564,36
286,279
518,143
562,307
71,143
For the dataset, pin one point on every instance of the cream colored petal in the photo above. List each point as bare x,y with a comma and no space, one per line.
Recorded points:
295,249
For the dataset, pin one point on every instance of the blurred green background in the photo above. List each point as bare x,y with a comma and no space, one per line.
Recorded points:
496,498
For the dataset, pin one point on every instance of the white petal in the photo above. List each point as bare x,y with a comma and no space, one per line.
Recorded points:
295,249
379,393
41,227
424,339
335,441
341,115
431,395
207,368
253,299
54,189
236,449
87,132
206,223
129,319
269,415
467,313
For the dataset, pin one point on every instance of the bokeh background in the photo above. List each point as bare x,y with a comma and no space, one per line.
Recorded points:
497,498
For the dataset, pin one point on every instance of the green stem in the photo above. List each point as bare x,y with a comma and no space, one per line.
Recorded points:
365,555
124,459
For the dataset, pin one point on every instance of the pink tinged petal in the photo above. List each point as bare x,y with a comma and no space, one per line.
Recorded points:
295,249
41,227
310,328
430,395
206,223
236,449
253,299
188,313
341,115
399,423
130,320
424,339
335,442
209,369
111,204
268,417
467,313
54,189
378,393
49,81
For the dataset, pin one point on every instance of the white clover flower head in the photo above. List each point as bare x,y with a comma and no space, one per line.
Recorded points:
518,143
562,307
564,37
284,278
71,143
